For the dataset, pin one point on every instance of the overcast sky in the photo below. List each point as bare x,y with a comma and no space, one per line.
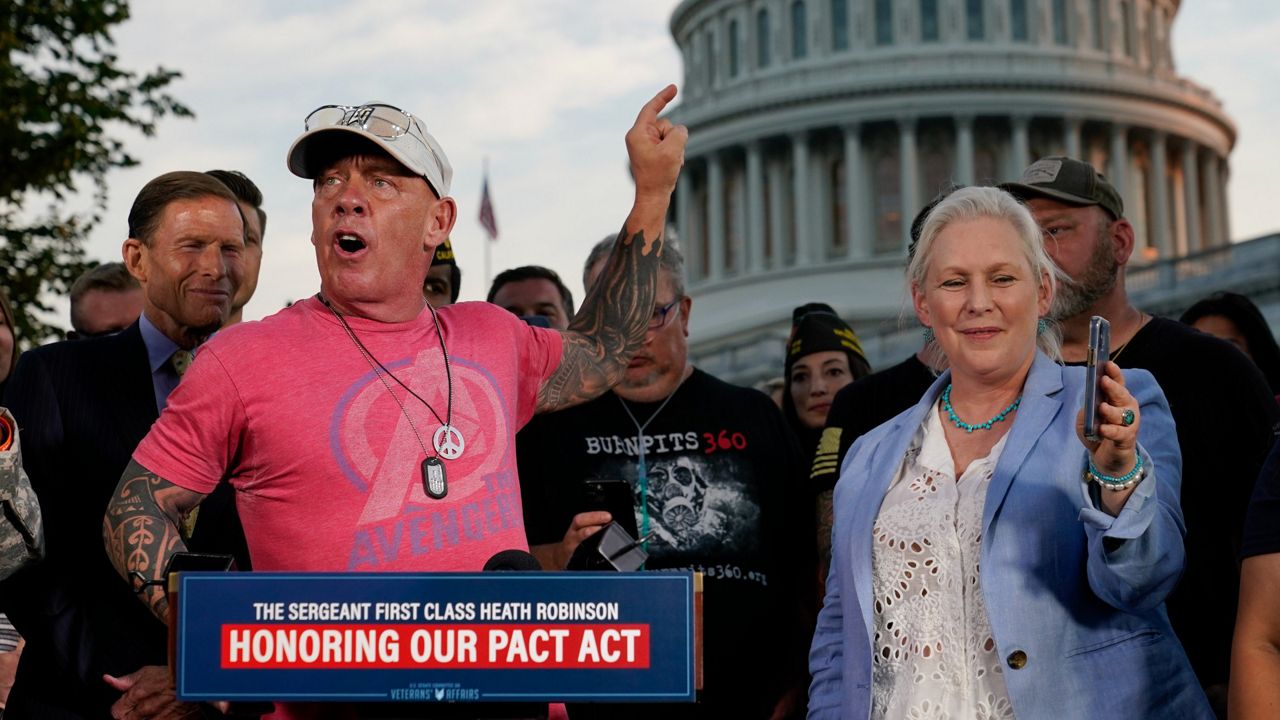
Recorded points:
544,89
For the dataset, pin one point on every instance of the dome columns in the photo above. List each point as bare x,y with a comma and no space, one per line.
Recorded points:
755,202
838,192
908,181
1160,195
964,150
857,230
1191,196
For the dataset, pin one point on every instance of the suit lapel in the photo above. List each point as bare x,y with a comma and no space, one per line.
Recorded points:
1041,403
128,369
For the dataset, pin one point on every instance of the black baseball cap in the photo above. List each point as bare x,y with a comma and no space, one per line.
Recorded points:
1071,181
444,254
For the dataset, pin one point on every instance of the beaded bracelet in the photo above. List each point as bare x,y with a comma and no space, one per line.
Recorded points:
1116,484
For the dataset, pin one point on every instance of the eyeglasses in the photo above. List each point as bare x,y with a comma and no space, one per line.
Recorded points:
384,121
661,315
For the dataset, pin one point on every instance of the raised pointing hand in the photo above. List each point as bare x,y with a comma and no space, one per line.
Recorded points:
656,149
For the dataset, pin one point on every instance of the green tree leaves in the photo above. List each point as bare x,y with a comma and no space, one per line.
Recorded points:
62,96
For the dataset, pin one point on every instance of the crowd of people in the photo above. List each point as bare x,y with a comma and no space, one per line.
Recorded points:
936,539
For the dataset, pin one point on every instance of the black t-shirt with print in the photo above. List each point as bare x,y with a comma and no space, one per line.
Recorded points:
725,496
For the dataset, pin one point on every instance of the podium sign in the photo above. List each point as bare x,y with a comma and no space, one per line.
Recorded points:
443,637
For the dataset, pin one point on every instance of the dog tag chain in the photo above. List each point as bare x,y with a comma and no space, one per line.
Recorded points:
447,441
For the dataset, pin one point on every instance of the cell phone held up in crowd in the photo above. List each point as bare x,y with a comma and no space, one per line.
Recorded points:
1098,354
614,497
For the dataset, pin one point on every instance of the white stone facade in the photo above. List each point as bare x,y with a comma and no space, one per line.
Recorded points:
818,128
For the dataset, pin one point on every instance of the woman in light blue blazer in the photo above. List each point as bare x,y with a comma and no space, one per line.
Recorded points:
987,560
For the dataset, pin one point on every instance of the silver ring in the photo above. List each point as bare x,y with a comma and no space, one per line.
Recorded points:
1127,417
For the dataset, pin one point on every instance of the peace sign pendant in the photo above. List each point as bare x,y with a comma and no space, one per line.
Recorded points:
448,442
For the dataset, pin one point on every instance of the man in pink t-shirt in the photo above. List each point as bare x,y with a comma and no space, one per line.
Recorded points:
360,429
326,463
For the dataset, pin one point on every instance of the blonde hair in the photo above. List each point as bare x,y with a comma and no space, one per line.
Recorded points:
973,203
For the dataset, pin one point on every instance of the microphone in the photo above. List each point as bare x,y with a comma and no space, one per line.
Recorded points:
610,549
512,561
503,561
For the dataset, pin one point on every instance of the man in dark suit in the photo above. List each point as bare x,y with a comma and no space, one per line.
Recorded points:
82,408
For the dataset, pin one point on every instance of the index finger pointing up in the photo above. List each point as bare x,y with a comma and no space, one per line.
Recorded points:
649,113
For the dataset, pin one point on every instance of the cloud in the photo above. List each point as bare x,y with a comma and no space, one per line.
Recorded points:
1228,46
544,90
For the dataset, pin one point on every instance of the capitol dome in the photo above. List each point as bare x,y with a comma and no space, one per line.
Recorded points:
818,128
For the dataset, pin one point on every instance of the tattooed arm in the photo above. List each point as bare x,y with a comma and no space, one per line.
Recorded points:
140,529
610,327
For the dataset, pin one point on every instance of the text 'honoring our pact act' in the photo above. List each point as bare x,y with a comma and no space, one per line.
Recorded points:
348,639
435,646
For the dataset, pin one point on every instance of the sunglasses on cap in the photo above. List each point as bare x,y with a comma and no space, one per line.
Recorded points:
384,121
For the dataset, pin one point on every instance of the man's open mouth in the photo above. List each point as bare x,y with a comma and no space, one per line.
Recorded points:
350,243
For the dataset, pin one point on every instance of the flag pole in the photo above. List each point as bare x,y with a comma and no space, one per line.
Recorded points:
488,221
488,241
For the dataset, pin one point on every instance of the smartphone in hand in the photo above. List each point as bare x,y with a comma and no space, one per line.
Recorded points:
1099,353
614,497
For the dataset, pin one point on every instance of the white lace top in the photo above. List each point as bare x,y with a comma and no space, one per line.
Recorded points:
934,654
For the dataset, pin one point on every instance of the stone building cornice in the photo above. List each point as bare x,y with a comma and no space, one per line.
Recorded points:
817,86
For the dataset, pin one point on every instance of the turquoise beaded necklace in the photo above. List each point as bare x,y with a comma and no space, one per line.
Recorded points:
955,420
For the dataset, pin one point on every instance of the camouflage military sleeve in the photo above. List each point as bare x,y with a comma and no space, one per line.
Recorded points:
21,530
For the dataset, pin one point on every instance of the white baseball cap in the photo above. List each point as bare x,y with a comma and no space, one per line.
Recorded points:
402,135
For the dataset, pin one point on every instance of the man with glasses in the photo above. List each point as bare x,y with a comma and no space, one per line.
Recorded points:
361,428
716,478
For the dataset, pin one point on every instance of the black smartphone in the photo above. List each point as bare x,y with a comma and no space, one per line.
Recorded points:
1099,352
614,497
196,562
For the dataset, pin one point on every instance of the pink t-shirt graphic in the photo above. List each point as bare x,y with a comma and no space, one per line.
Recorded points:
326,465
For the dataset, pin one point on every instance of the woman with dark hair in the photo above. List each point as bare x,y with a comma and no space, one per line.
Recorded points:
823,355
1237,320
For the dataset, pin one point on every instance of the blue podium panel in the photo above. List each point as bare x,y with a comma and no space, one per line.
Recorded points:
475,637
